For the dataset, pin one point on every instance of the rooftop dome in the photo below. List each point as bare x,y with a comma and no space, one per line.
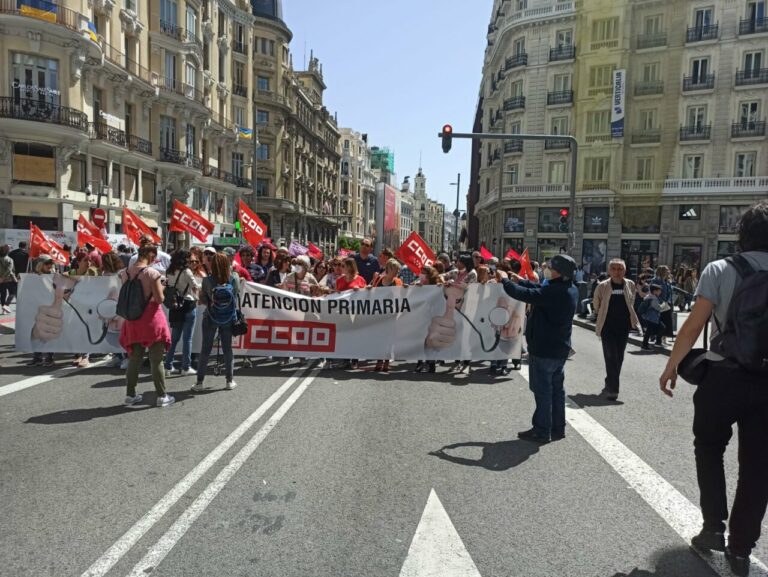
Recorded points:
272,9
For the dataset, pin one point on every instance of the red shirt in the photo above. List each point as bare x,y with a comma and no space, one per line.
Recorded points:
342,284
242,273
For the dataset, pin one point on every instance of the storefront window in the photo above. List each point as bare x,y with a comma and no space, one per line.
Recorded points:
726,248
514,220
549,220
516,244
687,255
729,218
641,219
593,255
596,219
639,255
34,78
549,247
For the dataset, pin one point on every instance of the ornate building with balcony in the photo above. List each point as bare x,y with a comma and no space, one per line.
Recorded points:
669,185
358,189
138,104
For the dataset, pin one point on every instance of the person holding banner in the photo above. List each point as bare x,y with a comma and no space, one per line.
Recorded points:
150,332
428,276
388,279
277,275
263,264
351,279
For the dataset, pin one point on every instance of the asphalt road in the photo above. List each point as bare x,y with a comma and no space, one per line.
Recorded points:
327,473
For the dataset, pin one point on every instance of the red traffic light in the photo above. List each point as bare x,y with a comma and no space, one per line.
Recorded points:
447,129
447,136
564,212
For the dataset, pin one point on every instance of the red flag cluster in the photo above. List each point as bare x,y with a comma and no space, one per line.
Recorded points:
415,253
41,244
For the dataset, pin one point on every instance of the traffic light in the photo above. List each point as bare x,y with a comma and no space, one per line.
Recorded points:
447,136
564,214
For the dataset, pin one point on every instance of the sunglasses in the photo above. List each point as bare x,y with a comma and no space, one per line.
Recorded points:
194,261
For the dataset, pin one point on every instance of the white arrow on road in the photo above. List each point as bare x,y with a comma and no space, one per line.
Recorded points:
436,549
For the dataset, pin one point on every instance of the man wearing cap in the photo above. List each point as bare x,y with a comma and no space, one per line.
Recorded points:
549,341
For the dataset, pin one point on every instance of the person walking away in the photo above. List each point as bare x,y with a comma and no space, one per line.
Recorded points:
20,258
150,332
428,277
650,314
388,279
662,279
366,263
614,305
7,278
220,295
548,333
181,301
734,293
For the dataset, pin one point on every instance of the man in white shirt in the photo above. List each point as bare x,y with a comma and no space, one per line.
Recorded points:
162,260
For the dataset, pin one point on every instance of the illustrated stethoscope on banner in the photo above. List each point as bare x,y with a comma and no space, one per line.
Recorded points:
498,317
106,310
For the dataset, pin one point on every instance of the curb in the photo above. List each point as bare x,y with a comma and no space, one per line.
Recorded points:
633,340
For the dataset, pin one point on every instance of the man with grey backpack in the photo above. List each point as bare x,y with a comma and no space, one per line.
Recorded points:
733,292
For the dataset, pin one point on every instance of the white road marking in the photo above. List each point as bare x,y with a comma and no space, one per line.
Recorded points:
108,560
437,549
45,378
671,505
172,536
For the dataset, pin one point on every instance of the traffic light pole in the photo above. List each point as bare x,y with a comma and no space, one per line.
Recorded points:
504,137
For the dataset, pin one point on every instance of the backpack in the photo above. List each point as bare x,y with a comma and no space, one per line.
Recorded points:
744,338
173,299
222,308
131,301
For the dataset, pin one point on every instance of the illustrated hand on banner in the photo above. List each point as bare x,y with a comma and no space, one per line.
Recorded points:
251,225
415,253
485,253
41,244
184,218
442,329
314,252
84,225
134,228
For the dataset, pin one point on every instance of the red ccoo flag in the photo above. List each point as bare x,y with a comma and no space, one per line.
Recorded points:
251,225
415,253
184,218
97,242
84,225
134,228
485,253
41,244
512,255
526,270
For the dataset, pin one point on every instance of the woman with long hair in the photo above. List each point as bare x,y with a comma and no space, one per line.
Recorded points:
428,277
320,270
220,295
263,264
350,280
278,274
149,332
662,278
182,320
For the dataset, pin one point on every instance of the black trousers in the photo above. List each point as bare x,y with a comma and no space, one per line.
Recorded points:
666,320
730,396
614,345
6,292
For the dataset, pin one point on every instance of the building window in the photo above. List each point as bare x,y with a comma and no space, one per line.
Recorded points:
562,82
641,219
262,152
697,117
598,169
703,17
267,46
263,83
262,187
605,29
237,164
593,255
689,212
549,220
729,218
513,172
599,122
693,165
559,125
749,113
77,174
596,219
726,248
519,46
190,77
262,117
556,172
239,116
644,168
648,120
517,88
745,164
549,247
98,98
346,144
699,70
191,140
601,77
653,25
191,23
651,71
640,255
564,38
168,133
168,14
148,188
687,255
170,70
514,220
99,173
35,78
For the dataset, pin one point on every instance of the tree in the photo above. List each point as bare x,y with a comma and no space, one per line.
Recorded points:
348,243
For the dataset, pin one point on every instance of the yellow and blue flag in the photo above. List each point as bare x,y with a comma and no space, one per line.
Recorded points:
41,9
93,32
246,133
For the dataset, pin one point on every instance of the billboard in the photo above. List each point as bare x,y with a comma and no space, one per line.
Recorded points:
617,103
387,217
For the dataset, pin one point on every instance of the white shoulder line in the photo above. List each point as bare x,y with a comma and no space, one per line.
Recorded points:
45,378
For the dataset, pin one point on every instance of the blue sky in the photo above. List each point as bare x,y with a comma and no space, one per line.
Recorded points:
399,70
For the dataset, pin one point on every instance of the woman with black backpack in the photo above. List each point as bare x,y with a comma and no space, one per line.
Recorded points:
181,302
220,294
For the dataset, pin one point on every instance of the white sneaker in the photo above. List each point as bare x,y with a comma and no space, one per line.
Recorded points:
247,363
165,401
230,385
132,400
321,364
197,388
124,364
6,310
188,372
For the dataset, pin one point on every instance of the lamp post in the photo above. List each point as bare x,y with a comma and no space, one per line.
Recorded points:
456,213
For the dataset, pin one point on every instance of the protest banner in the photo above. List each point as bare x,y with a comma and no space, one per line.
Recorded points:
184,219
415,253
418,323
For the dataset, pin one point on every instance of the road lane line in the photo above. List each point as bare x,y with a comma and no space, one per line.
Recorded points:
671,505
172,536
45,378
108,560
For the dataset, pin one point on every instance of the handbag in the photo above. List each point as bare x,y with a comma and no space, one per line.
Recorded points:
695,365
240,326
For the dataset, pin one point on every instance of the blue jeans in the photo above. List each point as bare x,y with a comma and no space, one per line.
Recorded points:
546,378
177,332
209,335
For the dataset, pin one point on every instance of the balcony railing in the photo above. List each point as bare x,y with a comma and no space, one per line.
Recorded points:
40,111
137,144
178,157
102,131
513,146
560,97
610,43
190,37
649,87
514,103
58,15
747,129
170,29
751,76
562,53
557,145
702,33
701,132
651,40
224,176
701,82
516,61
646,137
240,47
699,186
753,26
181,88
240,90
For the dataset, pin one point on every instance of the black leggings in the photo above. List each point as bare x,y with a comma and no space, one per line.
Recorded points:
6,292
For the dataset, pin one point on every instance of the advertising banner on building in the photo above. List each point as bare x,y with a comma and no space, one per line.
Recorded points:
617,104
64,314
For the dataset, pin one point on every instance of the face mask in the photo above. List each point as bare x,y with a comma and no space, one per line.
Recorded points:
548,274
296,268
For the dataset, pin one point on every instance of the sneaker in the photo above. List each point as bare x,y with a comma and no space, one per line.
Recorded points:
230,385
165,401
197,388
709,541
247,363
48,362
559,436
124,364
76,361
321,364
7,310
739,562
35,363
532,435
132,400
609,395
188,372
84,363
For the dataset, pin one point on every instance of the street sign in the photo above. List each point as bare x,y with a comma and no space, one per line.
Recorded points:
98,217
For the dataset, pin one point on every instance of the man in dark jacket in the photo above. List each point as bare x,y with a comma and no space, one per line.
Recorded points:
549,341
